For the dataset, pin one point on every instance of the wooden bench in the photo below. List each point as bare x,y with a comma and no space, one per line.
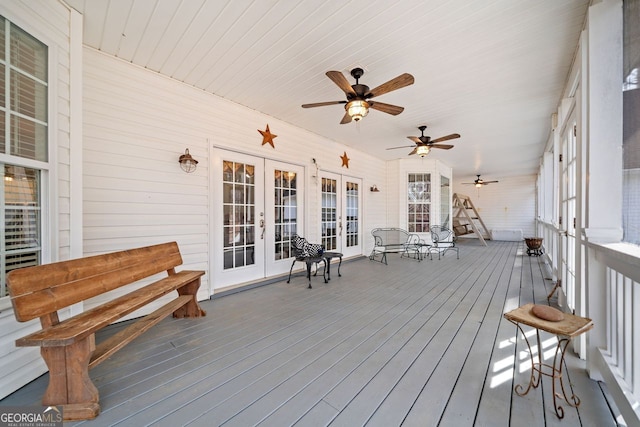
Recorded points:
394,240
68,346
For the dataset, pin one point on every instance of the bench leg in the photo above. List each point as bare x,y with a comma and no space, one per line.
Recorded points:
192,308
69,381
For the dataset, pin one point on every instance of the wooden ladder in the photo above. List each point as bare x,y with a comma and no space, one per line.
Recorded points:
461,206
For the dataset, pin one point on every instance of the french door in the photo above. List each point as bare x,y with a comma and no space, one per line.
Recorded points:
341,213
258,206
568,192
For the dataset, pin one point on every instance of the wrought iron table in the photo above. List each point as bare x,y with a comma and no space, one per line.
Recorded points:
328,256
310,261
566,329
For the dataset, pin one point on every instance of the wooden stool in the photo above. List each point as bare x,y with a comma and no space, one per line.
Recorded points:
566,329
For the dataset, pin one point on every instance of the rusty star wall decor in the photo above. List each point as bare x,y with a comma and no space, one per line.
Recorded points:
267,136
345,160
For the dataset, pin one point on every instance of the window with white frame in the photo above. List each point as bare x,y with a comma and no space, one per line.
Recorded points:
23,146
418,202
631,123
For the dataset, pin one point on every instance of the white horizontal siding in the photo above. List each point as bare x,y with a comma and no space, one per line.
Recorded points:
48,21
508,204
136,125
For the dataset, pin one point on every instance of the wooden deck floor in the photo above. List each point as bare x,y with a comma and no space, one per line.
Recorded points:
412,344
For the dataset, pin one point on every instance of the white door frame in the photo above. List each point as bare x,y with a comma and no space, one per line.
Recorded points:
342,207
270,257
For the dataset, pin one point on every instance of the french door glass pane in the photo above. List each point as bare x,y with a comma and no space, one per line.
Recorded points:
286,211
329,213
238,188
352,197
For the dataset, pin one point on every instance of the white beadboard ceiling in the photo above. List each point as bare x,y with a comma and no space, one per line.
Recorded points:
490,70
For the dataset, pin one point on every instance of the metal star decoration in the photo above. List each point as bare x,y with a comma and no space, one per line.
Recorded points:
267,136
345,160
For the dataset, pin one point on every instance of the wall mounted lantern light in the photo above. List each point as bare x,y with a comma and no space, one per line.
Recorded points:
187,163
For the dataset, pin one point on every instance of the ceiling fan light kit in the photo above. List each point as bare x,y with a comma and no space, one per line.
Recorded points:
424,144
359,96
422,150
479,182
357,109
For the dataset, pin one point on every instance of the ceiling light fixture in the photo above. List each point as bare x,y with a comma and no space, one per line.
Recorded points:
422,150
357,109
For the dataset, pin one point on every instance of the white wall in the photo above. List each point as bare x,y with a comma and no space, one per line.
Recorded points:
136,125
50,22
508,204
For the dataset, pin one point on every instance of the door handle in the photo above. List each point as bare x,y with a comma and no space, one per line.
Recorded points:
262,226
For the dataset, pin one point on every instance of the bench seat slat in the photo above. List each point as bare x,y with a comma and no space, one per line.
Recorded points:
114,343
88,322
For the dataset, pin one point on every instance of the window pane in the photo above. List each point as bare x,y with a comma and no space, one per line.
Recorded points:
2,80
28,97
2,38
3,143
21,248
631,123
28,54
419,202
28,139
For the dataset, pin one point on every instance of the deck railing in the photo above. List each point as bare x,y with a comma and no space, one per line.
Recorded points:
615,351
611,297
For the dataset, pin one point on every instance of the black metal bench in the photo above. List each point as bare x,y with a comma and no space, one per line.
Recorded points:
394,240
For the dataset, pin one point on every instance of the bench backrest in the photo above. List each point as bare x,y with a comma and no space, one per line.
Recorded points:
390,236
44,289
442,236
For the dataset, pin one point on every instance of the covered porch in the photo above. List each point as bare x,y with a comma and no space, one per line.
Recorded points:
414,343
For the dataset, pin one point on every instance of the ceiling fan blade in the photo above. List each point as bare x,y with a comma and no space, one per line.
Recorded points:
415,139
322,104
338,78
489,182
446,138
345,119
415,150
393,84
404,146
386,108
443,146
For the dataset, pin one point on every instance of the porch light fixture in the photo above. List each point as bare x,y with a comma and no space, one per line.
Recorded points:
187,163
422,150
357,109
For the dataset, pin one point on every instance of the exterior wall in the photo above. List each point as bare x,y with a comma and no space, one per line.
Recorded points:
53,24
507,205
136,125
